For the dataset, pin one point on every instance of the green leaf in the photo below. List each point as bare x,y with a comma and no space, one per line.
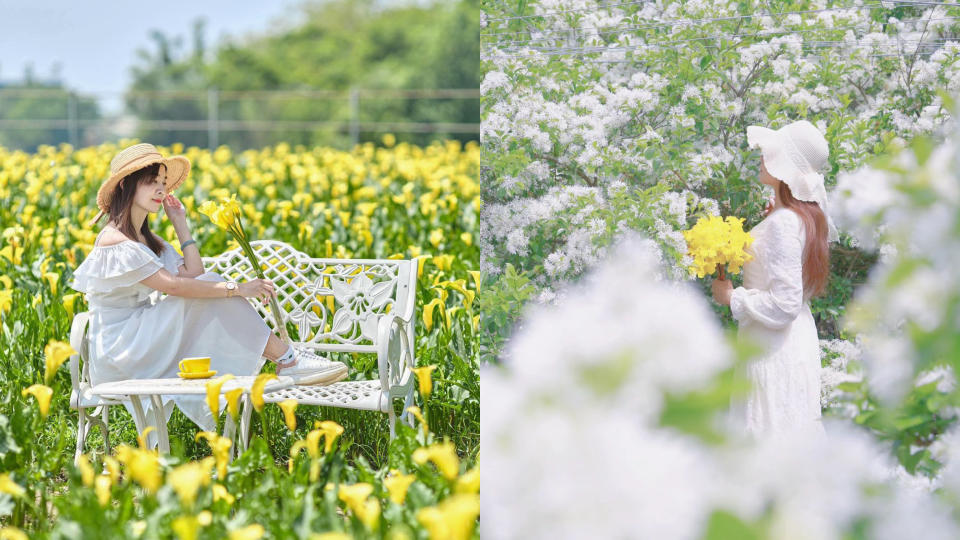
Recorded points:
8,444
909,422
723,525
848,386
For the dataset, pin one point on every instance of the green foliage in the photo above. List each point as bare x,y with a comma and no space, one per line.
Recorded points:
501,301
338,45
32,101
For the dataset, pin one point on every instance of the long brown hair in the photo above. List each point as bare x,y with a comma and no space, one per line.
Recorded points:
122,202
816,258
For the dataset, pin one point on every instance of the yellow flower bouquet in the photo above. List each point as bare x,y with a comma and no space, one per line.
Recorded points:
226,216
714,242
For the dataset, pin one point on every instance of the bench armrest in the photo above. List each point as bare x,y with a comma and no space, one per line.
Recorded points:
78,330
394,357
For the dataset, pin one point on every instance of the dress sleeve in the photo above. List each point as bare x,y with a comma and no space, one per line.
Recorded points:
779,306
109,267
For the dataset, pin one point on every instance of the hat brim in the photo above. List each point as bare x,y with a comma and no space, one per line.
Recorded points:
775,159
178,168
761,137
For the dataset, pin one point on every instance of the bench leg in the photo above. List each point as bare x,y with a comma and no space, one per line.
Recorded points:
105,427
407,402
82,428
393,420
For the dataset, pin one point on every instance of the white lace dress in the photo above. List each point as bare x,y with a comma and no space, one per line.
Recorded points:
138,333
771,310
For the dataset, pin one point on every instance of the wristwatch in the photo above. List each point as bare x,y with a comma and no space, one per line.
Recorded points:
231,288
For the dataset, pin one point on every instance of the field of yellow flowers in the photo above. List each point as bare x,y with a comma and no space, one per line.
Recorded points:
309,472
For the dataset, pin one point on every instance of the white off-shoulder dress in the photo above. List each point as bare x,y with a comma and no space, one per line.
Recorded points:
138,333
771,310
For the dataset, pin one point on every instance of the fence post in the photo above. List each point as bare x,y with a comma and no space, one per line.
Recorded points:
72,133
354,117
212,118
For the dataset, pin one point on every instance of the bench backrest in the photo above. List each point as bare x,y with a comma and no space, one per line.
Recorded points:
334,303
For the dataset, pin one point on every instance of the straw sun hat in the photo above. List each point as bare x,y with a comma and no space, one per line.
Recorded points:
134,158
794,154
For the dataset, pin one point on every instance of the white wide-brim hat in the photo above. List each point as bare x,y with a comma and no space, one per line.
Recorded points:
794,154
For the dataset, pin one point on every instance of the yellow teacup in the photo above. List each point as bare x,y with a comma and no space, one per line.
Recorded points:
195,364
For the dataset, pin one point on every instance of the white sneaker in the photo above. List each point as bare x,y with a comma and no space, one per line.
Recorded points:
313,369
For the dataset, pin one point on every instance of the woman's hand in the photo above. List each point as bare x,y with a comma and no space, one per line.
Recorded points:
174,209
259,288
769,208
722,289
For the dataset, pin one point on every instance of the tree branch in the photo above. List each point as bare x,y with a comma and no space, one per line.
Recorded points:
592,182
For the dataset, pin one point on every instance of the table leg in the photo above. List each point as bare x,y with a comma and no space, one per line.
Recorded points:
161,424
229,429
138,412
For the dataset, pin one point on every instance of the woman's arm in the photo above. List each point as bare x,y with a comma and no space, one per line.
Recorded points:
778,306
189,287
192,263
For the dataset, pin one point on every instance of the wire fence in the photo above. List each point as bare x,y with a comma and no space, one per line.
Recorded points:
565,40
595,32
32,116
884,4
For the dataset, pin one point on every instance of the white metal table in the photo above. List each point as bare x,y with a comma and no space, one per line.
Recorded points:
136,389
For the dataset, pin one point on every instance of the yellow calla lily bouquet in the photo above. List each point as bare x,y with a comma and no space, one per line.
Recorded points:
714,242
226,216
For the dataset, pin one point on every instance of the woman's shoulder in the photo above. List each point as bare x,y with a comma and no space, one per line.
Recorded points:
110,237
784,216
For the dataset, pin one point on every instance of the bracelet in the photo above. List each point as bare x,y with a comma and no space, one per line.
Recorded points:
187,243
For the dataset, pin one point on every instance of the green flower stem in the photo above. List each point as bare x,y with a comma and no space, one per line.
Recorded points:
238,233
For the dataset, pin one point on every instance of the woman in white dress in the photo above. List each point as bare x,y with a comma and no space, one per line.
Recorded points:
135,334
790,265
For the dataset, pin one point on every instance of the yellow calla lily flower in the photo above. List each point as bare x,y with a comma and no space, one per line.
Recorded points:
250,532
354,494
42,393
220,493
397,485
213,393
418,414
101,488
12,533
8,486
86,470
289,406
186,479
233,402
443,455
256,390
428,312
469,482
454,518
424,379
55,353
330,431
220,447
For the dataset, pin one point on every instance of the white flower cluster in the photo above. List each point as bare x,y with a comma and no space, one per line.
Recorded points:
842,366
574,447
505,225
916,286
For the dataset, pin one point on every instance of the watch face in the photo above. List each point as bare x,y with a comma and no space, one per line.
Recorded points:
231,285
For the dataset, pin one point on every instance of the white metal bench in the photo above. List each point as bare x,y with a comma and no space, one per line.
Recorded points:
337,305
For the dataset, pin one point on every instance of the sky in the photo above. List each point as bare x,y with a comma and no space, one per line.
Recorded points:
95,41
